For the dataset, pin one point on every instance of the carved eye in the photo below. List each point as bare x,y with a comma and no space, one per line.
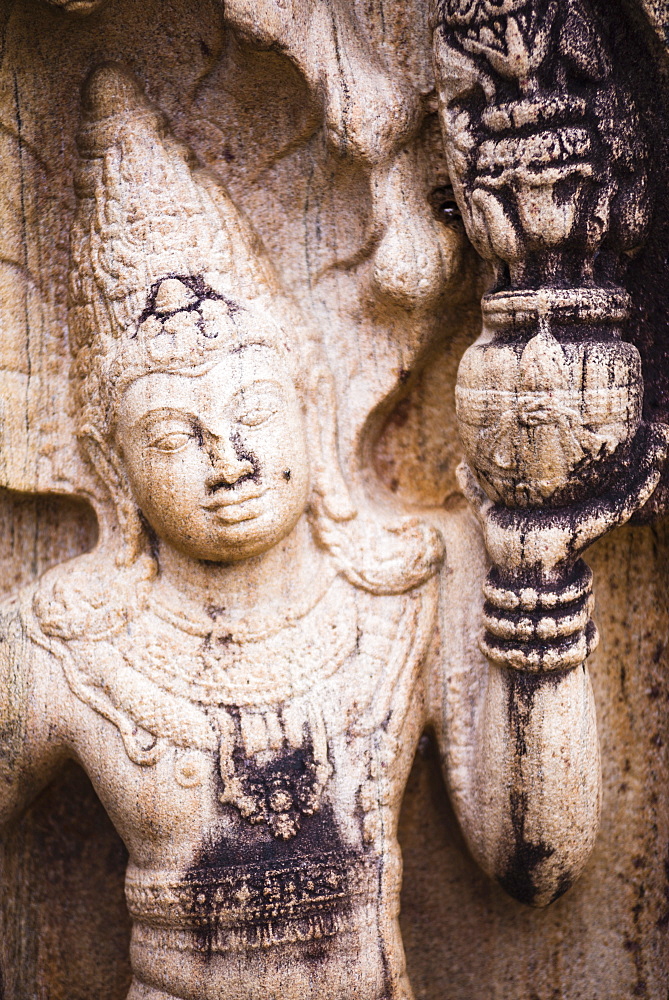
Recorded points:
173,441
257,404
256,415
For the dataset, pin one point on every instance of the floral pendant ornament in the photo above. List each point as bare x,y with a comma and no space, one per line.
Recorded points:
276,786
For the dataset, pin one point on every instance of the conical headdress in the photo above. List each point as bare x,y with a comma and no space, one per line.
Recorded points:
164,269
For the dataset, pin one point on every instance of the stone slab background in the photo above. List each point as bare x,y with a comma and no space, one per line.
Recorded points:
64,926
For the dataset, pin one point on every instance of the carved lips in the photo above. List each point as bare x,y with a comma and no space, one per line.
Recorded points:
234,508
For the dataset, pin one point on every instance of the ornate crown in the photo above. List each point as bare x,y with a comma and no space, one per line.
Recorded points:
164,269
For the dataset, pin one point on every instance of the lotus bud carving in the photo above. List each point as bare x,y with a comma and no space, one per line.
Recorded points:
552,180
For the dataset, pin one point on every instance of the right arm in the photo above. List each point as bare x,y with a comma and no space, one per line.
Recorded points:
30,747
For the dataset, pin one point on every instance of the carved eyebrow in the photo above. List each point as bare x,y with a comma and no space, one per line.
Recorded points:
258,384
165,413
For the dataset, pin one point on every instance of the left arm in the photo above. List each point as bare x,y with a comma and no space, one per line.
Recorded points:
518,747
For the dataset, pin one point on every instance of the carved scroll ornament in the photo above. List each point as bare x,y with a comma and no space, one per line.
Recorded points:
549,163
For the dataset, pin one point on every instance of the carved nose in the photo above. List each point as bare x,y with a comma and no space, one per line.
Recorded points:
227,467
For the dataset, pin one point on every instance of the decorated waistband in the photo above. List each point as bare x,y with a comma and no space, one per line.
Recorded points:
253,905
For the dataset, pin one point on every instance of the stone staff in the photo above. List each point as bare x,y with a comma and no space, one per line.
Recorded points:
549,165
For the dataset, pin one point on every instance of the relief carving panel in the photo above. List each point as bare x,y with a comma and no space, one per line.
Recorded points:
319,551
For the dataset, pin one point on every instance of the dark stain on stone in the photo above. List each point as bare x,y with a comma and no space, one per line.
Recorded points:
197,285
260,891
663,922
401,413
247,844
634,943
154,541
283,791
215,611
634,948
526,855
518,878
244,455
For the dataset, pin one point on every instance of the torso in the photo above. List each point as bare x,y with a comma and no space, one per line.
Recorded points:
256,781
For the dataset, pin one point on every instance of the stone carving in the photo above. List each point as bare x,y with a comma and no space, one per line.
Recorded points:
246,694
245,662
550,167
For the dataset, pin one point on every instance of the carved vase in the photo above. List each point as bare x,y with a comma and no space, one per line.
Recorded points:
549,398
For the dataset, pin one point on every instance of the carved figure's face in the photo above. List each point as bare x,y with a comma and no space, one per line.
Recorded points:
217,462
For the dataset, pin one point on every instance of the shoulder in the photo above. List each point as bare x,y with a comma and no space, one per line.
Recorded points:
34,706
29,682
71,600
90,597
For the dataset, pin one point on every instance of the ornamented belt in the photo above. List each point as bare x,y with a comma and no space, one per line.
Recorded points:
256,905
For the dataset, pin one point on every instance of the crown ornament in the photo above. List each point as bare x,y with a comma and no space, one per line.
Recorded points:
166,273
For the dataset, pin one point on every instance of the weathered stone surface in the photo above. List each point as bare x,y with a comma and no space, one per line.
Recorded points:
235,290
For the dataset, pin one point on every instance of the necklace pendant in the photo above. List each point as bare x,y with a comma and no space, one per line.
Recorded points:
270,776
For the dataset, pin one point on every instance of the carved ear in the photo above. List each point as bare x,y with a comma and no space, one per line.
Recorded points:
328,480
380,557
107,468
